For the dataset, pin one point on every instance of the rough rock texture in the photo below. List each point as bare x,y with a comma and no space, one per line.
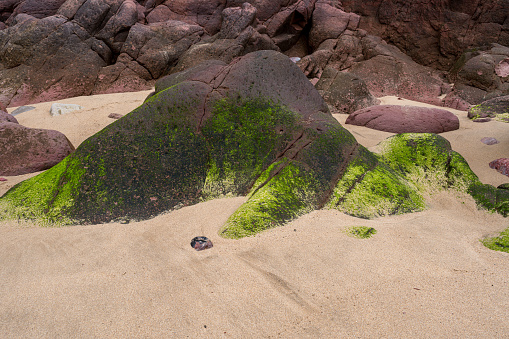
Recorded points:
495,108
405,119
384,68
6,117
27,150
435,32
501,165
344,91
255,127
125,45
481,73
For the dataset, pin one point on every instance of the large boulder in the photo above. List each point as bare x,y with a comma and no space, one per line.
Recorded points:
27,150
256,127
405,119
481,74
344,91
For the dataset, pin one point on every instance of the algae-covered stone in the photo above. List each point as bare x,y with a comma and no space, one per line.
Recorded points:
498,243
497,108
239,130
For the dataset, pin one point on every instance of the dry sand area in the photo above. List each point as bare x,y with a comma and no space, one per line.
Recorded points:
422,275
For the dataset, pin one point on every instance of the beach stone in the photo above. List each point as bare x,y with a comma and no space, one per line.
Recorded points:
115,115
22,109
482,120
3,179
27,150
489,141
345,91
6,117
405,119
61,109
201,243
501,165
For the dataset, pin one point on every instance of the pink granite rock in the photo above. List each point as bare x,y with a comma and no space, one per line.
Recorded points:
501,165
405,119
27,150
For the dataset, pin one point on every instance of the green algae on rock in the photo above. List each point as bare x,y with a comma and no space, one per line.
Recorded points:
498,243
241,133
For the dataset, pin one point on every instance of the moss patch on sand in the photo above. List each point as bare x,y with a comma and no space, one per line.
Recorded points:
360,232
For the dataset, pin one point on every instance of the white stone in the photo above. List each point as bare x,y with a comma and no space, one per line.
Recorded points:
61,109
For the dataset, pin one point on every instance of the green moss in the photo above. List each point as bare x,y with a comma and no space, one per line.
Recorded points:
243,139
499,243
47,197
361,232
490,198
288,195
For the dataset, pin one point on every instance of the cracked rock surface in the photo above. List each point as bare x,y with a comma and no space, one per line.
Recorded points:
236,130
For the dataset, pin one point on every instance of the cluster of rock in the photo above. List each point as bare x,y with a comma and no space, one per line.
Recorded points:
254,127
52,49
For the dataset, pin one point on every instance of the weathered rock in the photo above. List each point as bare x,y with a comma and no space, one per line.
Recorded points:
27,150
501,165
497,108
434,33
345,91
481,74
255,127
235,20
6,117
46,60
61,109
405,119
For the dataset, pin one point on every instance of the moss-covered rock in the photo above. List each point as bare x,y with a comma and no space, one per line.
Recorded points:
240,133
498,243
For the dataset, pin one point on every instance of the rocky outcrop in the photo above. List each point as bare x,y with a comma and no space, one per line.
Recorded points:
481,74
344,91
497,108
126,45
255,127
434,33
27,150
405,119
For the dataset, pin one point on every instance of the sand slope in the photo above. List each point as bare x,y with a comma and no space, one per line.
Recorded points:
422,275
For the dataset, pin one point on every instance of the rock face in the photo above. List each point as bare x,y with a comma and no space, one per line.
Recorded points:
495,108
255,127
56,49
405,119
434,33
27,150
344,91
481,74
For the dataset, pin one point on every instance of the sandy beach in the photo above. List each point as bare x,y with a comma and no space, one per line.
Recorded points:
422,275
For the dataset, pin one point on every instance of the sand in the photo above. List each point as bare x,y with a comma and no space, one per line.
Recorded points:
422,275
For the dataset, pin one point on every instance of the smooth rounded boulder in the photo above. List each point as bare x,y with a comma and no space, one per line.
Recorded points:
27,150
405,119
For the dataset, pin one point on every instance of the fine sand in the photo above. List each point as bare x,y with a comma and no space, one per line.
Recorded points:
422,275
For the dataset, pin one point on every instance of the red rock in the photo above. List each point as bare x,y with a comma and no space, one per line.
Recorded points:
405,119
501,165
6,117
27,150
